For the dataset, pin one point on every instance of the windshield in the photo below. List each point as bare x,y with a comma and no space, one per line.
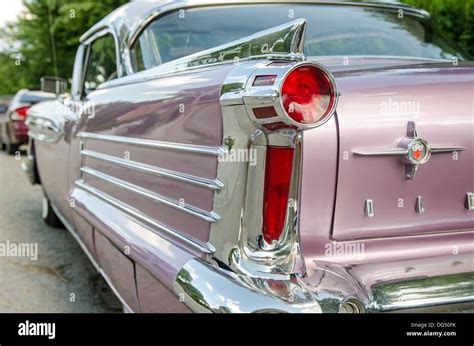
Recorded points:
332,31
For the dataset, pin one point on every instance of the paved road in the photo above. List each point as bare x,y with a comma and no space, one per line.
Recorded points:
62,279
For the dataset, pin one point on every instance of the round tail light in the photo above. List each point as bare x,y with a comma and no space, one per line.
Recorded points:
308,95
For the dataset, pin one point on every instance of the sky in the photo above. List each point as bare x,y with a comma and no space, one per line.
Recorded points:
10,10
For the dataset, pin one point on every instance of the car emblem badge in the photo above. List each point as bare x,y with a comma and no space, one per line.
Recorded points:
417,150
413,150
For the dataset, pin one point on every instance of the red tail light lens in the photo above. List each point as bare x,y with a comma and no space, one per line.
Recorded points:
308,95
22,112
278,168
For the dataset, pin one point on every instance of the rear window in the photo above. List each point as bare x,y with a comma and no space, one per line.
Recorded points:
331,31
35,98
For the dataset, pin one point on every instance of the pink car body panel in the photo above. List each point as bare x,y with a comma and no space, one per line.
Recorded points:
130,223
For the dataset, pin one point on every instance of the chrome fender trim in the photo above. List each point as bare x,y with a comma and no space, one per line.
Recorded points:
208,288
425,294
44,129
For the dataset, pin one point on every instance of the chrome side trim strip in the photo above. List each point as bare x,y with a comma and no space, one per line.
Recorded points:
380,152
204,247
190,148
402,151
447,149
202,214
154,170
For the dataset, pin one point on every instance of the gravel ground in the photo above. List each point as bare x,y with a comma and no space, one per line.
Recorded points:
62,279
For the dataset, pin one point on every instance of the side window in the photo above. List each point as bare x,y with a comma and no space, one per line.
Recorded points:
178,34
174,36
145,52
102,65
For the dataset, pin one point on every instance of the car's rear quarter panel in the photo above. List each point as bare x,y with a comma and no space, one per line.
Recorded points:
181,108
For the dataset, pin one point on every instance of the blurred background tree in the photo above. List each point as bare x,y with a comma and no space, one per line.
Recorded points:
454,18
43,41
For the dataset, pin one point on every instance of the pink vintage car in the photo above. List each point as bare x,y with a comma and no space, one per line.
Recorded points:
266,156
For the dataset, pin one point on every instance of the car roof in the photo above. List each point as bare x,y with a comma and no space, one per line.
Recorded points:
26,95
128,20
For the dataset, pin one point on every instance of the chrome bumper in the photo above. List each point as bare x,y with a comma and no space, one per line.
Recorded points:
424,294
206,288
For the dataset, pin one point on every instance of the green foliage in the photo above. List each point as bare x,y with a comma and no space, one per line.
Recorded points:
454,18
30,55
47,24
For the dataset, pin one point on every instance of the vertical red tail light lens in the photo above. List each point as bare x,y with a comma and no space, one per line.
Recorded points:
278,168
308,95
22,112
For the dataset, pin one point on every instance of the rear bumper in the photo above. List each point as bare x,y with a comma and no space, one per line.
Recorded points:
424,294
205,287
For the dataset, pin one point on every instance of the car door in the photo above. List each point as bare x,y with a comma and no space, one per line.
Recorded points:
96,63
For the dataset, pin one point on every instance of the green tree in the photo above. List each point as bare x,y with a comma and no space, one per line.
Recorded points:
455,19
45,39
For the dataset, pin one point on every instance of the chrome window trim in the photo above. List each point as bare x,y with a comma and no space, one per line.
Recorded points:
191,148
203,247
213,184
78,74
156,197
89,41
